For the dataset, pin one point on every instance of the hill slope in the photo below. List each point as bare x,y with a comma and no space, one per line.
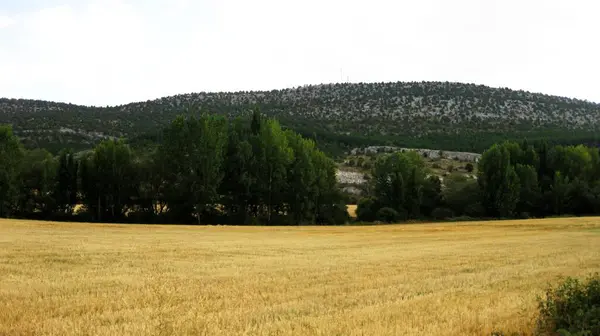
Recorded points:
427,114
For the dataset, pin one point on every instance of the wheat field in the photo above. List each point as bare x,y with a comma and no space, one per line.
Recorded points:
430,279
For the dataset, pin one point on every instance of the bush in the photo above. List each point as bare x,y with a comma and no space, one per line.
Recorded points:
335,214
442,213
365,210
469,167
572,308
475,210
387,215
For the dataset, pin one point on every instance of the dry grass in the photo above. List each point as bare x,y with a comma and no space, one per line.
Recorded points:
351,210
433,279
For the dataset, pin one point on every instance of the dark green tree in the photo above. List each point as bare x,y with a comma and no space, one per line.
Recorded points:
193,154
66,182
109,181
37,179
238,177
498,181
11,153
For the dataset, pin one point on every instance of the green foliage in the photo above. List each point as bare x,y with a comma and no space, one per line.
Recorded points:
11,154
571,308
192,152
442,213
366,209
530,193
461,195
431,196
254,170
398,182
274,155
66,182
498,180
37,180
387,215
373,114
108,180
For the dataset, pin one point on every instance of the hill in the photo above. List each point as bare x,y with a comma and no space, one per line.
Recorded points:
450,116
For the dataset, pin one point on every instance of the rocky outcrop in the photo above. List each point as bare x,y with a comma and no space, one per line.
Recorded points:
429,153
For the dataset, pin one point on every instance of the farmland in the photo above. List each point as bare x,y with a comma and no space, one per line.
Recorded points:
430,279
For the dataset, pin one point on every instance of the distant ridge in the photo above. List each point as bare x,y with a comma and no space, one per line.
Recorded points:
418,114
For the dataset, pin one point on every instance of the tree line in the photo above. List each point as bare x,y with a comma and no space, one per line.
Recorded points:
201,170
514,180
252,171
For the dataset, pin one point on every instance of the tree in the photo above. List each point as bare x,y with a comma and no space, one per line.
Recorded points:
530,194
193,152
11,154
329,207
414,196
366,209
397,182
256,123
273,156
109,182
301,176
432,195
498,181
37,179
238,177
66,182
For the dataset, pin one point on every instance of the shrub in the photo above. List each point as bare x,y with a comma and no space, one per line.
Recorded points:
469,167
335,214
387,215
365,210
572,308
442,213
436,165
475,210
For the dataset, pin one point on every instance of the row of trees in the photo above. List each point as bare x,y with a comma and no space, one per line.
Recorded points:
514,180
202,170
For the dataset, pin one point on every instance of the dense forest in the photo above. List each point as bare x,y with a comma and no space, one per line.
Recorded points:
514,180
203,170
448,116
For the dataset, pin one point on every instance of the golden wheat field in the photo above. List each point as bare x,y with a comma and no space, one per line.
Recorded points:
429,279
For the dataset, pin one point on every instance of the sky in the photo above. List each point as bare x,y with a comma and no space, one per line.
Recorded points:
110,52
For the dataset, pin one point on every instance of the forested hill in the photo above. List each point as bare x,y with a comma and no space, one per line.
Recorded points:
451,116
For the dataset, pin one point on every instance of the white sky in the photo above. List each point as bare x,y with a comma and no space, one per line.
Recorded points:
106,52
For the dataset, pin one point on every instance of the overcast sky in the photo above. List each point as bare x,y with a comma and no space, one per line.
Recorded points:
106,52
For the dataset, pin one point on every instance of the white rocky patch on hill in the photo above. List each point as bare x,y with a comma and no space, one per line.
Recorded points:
429,153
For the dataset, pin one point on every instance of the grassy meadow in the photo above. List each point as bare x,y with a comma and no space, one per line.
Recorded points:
423,279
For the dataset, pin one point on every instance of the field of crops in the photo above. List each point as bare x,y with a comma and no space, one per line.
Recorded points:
420,279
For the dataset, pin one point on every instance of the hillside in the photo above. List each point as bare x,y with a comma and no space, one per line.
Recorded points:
419,114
